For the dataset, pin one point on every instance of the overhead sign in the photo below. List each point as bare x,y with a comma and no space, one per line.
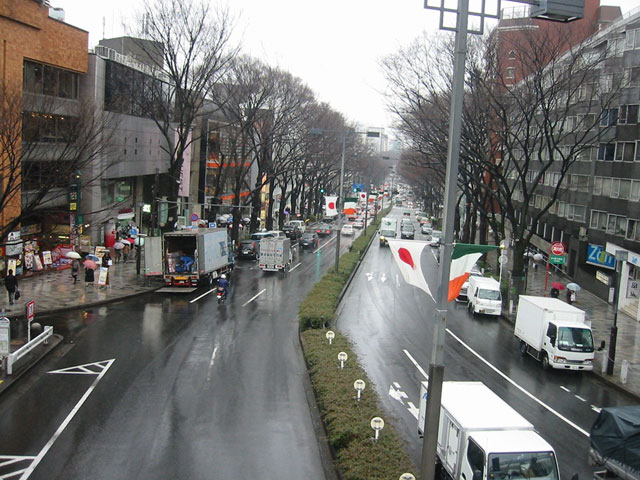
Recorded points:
603,277
597,255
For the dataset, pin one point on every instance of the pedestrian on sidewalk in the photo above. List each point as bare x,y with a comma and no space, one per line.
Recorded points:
11,284
125,252
107,262
117,255
571,296
75,267
555,293
89,277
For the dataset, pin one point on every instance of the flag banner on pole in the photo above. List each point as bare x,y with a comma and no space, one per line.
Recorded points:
463,259
407,255
330,207
349,208
363,196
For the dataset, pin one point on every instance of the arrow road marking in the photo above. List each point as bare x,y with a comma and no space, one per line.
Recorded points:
413,410
105,365
540,402
383,277
369,276
254,297
397,393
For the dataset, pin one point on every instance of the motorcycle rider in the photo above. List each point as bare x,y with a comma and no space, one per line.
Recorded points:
223,284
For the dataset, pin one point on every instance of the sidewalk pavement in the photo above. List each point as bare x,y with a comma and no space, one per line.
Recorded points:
601,314
55,292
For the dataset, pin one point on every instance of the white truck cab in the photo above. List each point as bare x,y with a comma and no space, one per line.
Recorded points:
484,296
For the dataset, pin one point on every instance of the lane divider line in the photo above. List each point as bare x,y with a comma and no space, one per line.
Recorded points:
417,365
540,402
213,359
203,295
295,267
565,389
254,297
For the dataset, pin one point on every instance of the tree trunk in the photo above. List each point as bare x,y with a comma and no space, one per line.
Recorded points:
270,205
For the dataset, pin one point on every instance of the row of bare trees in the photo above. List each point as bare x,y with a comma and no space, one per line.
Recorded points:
264,113
520,93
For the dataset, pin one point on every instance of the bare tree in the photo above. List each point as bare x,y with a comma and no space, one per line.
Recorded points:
44,143
189,45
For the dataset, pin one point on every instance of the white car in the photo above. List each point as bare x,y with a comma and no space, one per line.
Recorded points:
347,229
426,229
358,223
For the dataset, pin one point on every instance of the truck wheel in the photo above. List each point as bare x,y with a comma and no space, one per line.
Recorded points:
472,310
523,348
545,361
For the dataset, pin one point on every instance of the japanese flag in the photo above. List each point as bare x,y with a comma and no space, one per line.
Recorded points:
330,207
407,256
363,196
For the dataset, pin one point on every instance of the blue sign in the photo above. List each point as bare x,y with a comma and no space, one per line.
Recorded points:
133,232
596,255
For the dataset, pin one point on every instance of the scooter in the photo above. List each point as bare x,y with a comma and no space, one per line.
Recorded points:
221,295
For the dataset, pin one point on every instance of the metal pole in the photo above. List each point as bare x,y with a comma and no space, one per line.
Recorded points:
436,367
613,336
340,202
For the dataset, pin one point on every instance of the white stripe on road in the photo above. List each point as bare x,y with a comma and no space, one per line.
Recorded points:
565,389
65,422
295,267
595,409
413,360
254,297
203,295
540,402
213,358
580,398
324,245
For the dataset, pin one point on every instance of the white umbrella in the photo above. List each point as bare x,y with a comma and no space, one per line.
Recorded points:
538,256
574,287
123,241
75,255
119,245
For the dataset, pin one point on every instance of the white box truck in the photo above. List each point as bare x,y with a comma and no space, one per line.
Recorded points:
275,254
194,257
480,437
483,294
554,333
388,229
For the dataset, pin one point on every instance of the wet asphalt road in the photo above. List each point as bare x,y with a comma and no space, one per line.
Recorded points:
169,387
391,324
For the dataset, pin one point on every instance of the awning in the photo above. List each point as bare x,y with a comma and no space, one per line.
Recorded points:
126,216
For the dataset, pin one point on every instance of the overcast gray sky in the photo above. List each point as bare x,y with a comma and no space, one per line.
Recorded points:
332,45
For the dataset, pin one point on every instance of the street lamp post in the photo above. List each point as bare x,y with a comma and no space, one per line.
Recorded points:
340,202
621,256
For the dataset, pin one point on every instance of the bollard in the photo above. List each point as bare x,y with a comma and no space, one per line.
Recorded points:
624,371
605,361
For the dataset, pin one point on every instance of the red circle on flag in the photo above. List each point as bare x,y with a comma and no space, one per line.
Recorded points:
405,256
332,205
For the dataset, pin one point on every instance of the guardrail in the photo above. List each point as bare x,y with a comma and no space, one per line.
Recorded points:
27,347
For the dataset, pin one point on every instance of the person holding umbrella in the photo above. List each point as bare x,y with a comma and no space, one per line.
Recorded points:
572,288
89,275
555,289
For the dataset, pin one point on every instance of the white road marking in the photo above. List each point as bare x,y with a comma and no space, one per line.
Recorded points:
324,245
595,409
397,280
295,267
397,393
213,359
434,255
94,368
254,297
580,398
417,365
369,276
383,277
413,410
565,389
540,402
203,295
66,421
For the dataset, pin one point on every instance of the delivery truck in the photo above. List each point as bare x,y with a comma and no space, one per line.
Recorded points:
615,446
275,254
480,437
388,229
554,333
193,258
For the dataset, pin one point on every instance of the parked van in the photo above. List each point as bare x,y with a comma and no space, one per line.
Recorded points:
484,296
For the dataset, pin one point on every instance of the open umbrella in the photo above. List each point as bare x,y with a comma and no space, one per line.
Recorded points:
93,257
574,287
132,241
126,240
538,256
118,245
90,264
75,255
557,285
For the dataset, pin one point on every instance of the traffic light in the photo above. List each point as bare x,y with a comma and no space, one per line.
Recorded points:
322,190
74,192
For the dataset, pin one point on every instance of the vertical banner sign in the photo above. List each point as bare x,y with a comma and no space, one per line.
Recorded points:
5,336
185,171
30,308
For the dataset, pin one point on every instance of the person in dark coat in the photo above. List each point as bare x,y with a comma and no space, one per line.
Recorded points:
11,284
75,267
555,293
89,276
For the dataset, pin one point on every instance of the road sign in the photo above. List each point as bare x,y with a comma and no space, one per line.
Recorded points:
31,310
557,259
558,248
5,335
503,259
194,217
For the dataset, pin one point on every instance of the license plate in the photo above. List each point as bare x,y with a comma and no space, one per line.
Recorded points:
179,278
245,252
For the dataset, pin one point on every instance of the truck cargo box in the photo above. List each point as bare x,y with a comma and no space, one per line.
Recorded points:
615,441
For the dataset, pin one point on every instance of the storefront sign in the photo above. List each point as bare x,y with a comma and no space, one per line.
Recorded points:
633,289
13,236
596,255
14,248
31,229
46,258
603,277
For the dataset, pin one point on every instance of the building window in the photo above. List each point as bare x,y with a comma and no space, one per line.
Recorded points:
625,189
609,117
48,80
625,151
606,83
47,128
576,212
632,39
598,220
635,191
606,187
633,230
617,225
632,77
511,72
606,151
561,209
628,115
